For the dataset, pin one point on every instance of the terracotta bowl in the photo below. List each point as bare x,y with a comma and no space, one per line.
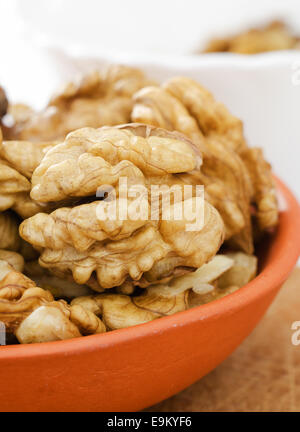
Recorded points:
130,369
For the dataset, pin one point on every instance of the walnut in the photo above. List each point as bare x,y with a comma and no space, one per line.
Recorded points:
12,258
121,311
78,227
54,123
13,306
89,158
212,117
115,80
9,231
16,116
124,271
226,179
243,270
46,323
18,159
33,316
20,113
216,294
155,106
27,251
24,156
97,99
116,260
57,321
73,239
272,37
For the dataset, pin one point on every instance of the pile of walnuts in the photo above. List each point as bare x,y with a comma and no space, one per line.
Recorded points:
64,272
274,36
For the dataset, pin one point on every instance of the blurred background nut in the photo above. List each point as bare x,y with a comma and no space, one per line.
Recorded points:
272,37
9,231
55,321
97,99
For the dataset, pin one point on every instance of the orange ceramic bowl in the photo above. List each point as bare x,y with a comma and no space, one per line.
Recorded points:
130,369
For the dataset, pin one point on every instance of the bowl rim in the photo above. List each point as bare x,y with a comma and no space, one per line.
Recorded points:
277,268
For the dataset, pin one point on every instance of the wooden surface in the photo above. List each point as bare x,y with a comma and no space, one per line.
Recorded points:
263,374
